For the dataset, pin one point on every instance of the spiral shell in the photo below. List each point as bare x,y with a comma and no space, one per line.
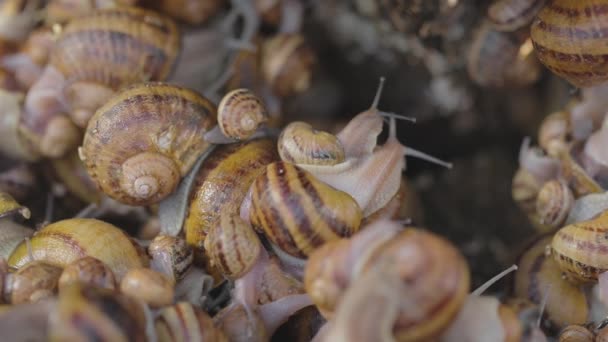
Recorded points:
187,323
34,281
240,113
139,144
576,333
554,202
580,249
88,271
299,213
222,183
538,273
63,242
121,46
171,256
509,15
287,63
92,313
567,39
299,143
232,246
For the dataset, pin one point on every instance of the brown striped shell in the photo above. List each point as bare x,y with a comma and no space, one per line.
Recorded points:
434,276
299,143
538,273
170,255
121,46
500,59
553,203
232,246
576,333
240,113
287,63
91,313
581,249
183,322
88,271
66,241
509,15
34,281
298,212
222,183
567,36
141,142
152,287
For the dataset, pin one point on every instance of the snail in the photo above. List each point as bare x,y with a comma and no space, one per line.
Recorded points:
554,202
433,266
144,165
63,242
9,207
32,282
499,59
239,115
153,41
152,287
11,235
539,276
185,322
170,256
578,58
283,15
510,15
577,333
88,271
193,12
572,170
370,175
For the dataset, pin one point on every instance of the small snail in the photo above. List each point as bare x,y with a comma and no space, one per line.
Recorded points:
170,256
63,242
239,115
576,333
299,213
32,282
553,203
152,42
187,323
88,271
141,164
510,15
566,41
9,207
152,287
300,143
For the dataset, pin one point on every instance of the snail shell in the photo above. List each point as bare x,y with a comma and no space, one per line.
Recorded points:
299,213
8,206
222,183
34,281
299,143
240,113
554,202
90,313
509,15
152,287
89,272
579,249
538,273
63,242
287,63
232,246
170,256
140,143
579,180
185,322
566,38
576,333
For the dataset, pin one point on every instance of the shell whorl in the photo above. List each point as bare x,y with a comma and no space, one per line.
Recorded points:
299,213
553,203
154,122
299,143
240,113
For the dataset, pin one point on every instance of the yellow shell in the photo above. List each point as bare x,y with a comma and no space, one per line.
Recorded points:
88,271
299,213
222,183
63,242
299,143
171,256
185,322
139,144
553,203
581,249
109,49
152,287
240,113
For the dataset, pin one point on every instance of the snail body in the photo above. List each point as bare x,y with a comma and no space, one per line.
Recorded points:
152,287
34,281
143,165
566,41
63,242
88,271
